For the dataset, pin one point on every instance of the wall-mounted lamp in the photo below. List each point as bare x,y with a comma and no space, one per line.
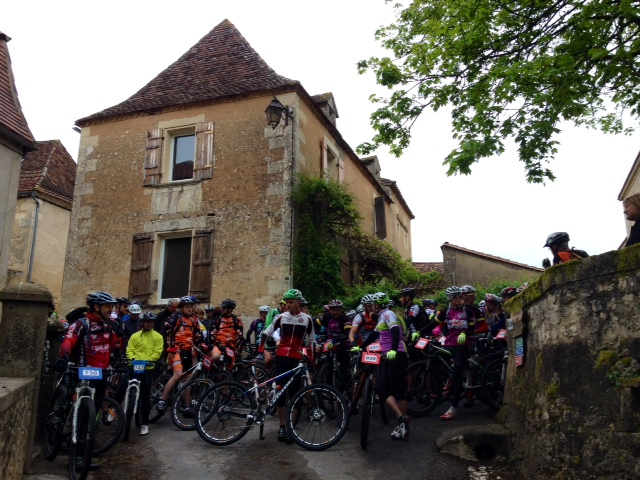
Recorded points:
275,111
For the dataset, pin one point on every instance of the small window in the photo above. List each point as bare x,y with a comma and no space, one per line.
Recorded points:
175,267
182,157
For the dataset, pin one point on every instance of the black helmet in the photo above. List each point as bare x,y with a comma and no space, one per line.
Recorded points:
209,308
228,303
100,298
428,301
123,300
557,238
148,317
411,292
185,301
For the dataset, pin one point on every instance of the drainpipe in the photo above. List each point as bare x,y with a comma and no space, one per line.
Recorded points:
293,166
33,239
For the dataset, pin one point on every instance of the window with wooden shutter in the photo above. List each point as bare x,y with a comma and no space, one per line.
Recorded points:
140,279
201,269
340,170
204,151
381,221
153,157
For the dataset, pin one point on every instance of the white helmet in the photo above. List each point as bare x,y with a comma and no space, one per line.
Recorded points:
453,291
264,308
135,308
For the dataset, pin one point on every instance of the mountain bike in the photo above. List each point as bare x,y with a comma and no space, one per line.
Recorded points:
317,415
369,367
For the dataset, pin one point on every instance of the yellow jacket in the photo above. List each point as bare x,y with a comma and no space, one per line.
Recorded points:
145,345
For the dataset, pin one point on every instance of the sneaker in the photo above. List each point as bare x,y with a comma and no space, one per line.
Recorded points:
282,434
144,430
162,406
449,415
401,431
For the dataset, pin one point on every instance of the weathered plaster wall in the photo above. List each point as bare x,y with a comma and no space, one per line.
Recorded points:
50,249
10,168
574,406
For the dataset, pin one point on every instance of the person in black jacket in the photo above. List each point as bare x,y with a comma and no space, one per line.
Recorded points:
632,213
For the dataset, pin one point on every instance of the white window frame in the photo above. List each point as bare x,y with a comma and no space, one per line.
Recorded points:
170,134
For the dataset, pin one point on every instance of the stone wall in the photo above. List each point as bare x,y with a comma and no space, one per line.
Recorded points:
16,409
573,407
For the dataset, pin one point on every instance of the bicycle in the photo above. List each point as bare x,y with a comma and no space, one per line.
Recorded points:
332,373
73,417
493,381
132,395
370,361
228,410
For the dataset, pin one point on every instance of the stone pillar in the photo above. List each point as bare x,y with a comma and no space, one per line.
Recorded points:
25,309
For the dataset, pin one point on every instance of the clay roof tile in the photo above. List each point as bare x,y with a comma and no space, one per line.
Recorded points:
49,170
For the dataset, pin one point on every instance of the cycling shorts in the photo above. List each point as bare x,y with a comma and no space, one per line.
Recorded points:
181,360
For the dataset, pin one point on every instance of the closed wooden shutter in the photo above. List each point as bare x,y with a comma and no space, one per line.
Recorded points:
340,169
141,255
153,157
323,159
204,151
201,269
381,221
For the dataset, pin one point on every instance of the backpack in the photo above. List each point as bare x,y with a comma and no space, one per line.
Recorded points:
578,254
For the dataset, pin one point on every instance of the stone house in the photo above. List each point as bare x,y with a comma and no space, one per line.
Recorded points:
43,213
16,141
631,186
185,189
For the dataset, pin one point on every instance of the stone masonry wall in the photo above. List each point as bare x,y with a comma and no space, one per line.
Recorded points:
573,407
15,420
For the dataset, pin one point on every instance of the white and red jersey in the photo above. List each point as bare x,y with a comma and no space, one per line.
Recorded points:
293,330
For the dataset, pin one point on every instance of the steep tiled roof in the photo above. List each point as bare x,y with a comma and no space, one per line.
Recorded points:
324,98
394,186
221,64
49,170
485,255
12,121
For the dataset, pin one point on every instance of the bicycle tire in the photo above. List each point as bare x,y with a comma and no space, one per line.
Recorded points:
222,416
128,416
180,415
427,384
155,393
325,419
368,398
81,451
245,375
52,435
492,383
217,376
108,435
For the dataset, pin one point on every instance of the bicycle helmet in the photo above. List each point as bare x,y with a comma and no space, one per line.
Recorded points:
123,300
428,301
481,304
468,289
292,294
453,291
557,238
209,308
367,299
351,314
410,292
303,301
491,298
135,308
185,301
148,317
391,304
360,308
381,298
100,298
508,292
335,304
228,303
264,308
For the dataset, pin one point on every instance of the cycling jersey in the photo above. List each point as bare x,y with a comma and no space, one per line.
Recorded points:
227,330
456,321
256,326
182,332
415,318
293,330
386,321
95,348
365,325
337,328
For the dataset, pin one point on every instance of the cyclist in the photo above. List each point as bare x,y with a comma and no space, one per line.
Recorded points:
338,326
131,323
457,320
210,313
415,317
391,381
146,344
469,298
90,341
182,331
257,326
429,306
294,326
495,315
558,243
304,306
161,318
226,331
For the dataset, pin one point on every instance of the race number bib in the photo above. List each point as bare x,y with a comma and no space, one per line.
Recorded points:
374,347
371,358
230,353
139,366
89,373
422,343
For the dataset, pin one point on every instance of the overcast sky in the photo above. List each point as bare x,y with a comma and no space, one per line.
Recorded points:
74,58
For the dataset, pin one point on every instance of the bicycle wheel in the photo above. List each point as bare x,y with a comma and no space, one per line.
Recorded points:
217,376
326,375
81,450
245,375
317,417
492,383
157,387
225,413
54,422
185,402
368,398
109,429
128,416
425,389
